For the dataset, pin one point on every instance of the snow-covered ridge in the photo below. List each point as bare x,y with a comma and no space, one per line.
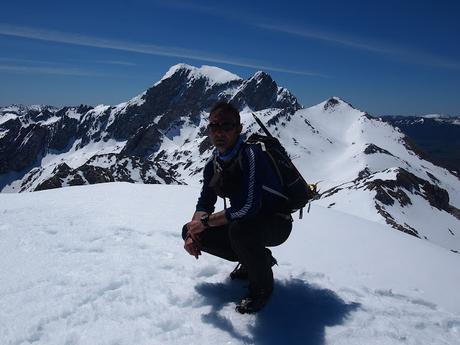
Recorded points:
18,108
36,114
214,75
434,116
422,118
7,116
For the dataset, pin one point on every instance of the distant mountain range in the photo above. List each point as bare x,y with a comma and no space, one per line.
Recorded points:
159,136
438,136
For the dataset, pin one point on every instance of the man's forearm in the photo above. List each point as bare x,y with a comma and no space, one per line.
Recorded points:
217,219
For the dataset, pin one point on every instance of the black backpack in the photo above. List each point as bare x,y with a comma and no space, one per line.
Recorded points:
297,191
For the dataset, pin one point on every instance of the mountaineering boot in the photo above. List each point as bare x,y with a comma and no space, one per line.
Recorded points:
241,272
255,301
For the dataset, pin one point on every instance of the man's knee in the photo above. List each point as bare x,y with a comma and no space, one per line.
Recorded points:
184,232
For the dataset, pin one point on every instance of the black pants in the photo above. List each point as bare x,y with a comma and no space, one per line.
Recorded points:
245,240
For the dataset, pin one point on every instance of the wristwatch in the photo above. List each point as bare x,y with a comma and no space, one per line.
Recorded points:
205,220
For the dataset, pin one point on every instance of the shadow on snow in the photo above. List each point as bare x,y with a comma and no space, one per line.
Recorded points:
297,312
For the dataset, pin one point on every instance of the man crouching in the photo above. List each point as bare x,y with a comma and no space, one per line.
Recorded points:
257,216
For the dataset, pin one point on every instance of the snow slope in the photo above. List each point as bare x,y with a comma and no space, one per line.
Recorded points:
328,143
212,74
104,264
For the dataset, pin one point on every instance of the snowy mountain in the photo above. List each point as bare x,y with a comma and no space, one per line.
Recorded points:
367,167
160,127
104,264
371,164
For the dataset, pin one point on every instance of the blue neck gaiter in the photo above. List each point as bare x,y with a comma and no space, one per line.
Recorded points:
230,153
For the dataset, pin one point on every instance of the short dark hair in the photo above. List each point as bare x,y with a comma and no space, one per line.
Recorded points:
223,107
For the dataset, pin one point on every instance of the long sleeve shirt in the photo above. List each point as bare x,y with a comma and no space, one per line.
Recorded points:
259,191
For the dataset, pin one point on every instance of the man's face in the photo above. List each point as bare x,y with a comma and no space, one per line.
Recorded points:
223,131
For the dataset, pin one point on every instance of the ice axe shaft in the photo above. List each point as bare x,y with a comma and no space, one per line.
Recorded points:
268,134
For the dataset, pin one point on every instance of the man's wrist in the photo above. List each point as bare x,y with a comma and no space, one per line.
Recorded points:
204,219
198,214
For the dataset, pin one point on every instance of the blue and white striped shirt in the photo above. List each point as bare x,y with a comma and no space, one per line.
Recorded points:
259,190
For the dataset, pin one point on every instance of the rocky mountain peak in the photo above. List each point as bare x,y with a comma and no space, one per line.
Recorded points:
335,102
83,108
262,80
261,92
261,75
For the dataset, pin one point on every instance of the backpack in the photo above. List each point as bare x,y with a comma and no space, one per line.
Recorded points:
296,190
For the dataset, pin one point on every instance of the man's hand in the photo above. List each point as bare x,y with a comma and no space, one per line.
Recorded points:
192,244
194,228
192,247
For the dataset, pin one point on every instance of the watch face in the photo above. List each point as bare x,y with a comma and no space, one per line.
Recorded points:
204,219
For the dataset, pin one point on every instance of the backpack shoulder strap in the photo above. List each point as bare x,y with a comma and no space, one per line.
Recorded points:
239,158
275,166
257,139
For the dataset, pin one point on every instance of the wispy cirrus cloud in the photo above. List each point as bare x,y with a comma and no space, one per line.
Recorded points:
15,60
97,42
393,51
105,62
48,70
50,62
27,66
116,62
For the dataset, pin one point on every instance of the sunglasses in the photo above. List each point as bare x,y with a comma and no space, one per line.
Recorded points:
224,126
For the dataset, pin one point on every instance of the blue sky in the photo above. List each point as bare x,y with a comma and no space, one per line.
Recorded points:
386,57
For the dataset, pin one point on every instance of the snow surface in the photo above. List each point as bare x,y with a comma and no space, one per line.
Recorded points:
104,264
72,113
389,174
434,116
6,117
214,75
51,120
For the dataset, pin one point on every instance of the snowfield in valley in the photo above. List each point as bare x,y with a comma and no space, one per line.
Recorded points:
104,264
